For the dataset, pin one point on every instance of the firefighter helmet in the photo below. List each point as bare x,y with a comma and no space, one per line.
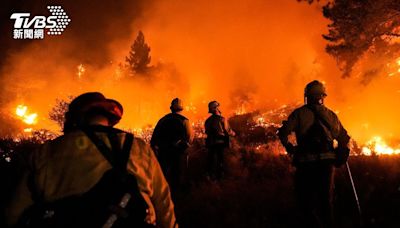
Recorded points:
315,89
176,105
212,106
91,101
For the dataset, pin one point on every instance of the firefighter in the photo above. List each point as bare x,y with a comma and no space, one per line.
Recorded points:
218,132
65,174
171,137
322,144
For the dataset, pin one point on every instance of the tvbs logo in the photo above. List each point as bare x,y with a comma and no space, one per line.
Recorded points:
26,28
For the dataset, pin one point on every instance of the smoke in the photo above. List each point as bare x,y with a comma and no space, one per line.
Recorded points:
37,72
247,55
260,53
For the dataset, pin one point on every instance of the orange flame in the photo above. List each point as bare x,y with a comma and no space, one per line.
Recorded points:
81,70
28,118
240,110
378,146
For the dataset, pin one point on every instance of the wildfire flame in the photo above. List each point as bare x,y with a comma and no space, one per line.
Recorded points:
28,130
28,118
375,146
378,146
395,68
398,64
240,110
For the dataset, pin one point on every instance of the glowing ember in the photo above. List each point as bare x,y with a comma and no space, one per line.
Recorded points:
28,118
143,133
378,146
191,108
81,70
397,68
261,121
28,130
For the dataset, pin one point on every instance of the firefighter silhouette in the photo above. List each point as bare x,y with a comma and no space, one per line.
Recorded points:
93,176
316,128
218,132
171,137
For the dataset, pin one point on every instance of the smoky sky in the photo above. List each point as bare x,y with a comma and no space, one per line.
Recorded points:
93,25
255,54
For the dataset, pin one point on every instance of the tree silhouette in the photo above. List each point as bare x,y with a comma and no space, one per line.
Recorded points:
360,27
57,113
139,56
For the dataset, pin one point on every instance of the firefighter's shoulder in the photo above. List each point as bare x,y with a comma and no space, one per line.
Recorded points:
141,150
180,116
210,118
167,116
300,111
140,145
331,115
56,146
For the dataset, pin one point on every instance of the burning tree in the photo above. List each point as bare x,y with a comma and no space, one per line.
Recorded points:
139,56
360,27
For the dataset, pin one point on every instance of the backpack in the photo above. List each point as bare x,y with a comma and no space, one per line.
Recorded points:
115,201
170,133
316,140
212,125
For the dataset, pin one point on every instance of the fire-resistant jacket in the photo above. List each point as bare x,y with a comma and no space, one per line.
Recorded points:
171,130
301,120
71,164
217,127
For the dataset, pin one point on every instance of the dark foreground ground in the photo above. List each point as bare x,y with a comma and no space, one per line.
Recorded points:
258,191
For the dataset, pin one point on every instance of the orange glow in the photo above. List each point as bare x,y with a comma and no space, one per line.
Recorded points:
28,130
378,146
395,67
191,108
21,110
81,70
248,56
28,118
240,110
